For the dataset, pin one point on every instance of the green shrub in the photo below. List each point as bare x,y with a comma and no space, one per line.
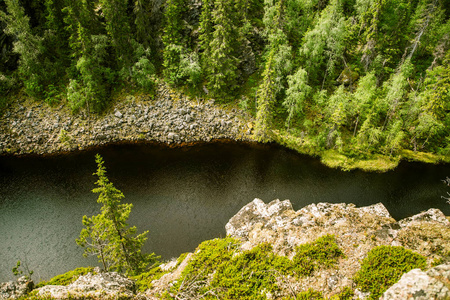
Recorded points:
66,278
144,280
310,295
251,275
218,269
383,266
323,252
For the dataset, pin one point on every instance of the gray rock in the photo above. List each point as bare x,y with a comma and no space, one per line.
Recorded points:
431,215
255,212
103,286
118,114
419,285
16,289
173,136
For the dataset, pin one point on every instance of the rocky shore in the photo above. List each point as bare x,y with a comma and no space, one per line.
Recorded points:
356,231
35,128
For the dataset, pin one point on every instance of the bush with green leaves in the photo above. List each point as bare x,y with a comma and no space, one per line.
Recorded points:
219,269
322,253
383,266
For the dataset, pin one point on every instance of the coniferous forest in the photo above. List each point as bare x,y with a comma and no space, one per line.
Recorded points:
358,77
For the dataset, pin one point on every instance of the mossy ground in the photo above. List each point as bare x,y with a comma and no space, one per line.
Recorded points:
220,270
383,266
369,162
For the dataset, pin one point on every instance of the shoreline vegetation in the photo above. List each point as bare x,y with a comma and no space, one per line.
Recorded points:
360,83
332,158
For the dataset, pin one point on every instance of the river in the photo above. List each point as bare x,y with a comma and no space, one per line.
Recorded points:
183,196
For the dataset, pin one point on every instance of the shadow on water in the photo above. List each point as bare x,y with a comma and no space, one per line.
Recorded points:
181,195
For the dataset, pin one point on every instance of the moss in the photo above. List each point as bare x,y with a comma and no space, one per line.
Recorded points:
383,266
208,256
144,280
218,269
251,275
310,295
421,156
66,278
323,253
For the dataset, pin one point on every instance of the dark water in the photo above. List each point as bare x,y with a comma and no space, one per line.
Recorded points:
182,196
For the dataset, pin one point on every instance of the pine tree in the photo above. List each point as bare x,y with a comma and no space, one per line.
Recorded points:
28,45
88,85
142,12
108,235
174,45
118,29
265,101
220,64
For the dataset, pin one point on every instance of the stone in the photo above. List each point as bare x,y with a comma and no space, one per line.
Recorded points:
104,285
16,289
255,212
431,215
173,136
118,114
419,285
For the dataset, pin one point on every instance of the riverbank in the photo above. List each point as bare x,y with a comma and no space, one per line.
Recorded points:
168,117
29,127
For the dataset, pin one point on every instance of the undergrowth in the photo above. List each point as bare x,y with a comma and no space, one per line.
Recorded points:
66,278
383,266
219,270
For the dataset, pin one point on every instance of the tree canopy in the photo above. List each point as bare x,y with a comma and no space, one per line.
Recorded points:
355,76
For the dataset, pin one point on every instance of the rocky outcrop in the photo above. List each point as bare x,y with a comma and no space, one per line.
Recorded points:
357,231
99,286
29,127
419,285
16,289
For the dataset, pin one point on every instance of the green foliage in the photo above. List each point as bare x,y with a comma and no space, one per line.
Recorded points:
322,253
27,45
309,295
219,269
265,100
220,66
296,94
66,278
18,270
250,275
303,57
144,280
108,235
119,31
383,266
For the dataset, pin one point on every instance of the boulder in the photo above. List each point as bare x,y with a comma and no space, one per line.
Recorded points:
419,285
432,215
16,289
104,285
253,213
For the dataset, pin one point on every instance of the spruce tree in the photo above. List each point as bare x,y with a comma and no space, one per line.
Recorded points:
221,64
28,45
174,46
265,101
119,31
108,235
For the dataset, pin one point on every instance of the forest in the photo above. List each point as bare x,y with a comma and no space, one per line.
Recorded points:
359,77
